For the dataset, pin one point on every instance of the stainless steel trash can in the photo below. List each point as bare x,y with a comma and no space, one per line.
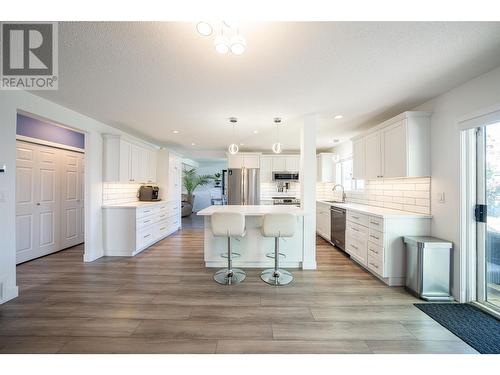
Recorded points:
428,261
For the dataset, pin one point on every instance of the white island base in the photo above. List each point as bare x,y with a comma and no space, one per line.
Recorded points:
253,247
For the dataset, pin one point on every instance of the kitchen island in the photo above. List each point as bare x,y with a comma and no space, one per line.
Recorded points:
253,247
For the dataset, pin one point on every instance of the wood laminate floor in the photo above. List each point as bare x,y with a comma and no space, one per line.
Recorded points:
164,301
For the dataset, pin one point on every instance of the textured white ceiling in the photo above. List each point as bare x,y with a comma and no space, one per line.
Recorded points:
152,78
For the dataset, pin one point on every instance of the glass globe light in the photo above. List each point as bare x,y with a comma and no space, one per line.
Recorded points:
238,45
233,148
204,28
277,148
221,44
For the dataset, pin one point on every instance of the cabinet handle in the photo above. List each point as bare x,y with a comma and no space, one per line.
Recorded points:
373,251
147,235
374,265
146,221
354,247
374,223
355,217
354,229
372,236
163,228
38,204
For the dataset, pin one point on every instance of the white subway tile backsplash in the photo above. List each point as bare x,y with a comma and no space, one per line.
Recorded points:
407,194
114,193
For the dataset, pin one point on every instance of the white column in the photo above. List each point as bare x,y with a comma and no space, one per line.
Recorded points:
308,188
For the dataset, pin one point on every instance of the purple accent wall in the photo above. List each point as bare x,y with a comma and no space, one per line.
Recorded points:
33,128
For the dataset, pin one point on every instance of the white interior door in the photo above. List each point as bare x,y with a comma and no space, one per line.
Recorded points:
37,201
71,198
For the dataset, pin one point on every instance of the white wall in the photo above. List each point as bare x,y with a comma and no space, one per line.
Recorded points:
481,92
202,193
10,103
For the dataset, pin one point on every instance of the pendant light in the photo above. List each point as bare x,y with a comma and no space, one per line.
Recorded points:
238,44
277,145
233,147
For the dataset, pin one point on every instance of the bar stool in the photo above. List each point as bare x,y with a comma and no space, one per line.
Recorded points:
278,226
228,224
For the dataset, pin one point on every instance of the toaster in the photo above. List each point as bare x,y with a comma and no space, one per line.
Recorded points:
149,193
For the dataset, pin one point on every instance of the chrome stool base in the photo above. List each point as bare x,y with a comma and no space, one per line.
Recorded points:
223,277
276,277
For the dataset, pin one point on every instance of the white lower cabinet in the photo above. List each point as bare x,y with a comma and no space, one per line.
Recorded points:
130,229
376,243
323,220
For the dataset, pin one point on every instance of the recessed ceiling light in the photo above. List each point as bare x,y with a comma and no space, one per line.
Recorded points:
255,132
204,28
193,144
242,144
175,131
338,117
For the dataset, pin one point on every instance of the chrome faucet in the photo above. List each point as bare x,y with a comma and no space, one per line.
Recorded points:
343,193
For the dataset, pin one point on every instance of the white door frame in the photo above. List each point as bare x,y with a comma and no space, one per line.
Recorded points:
471,183
87,186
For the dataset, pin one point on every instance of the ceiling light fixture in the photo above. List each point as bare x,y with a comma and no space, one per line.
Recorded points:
255,132
277,145
193,144
338,117
204,28
175,131
233,147
236,44
221,44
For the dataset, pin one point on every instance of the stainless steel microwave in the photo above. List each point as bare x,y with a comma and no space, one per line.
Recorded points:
286,176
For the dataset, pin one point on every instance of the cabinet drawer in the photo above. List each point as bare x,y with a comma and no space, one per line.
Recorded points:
146,211
145,237
375,264
161,228
357,218
357,231
376,223
146,221
355,245
376,237
376,251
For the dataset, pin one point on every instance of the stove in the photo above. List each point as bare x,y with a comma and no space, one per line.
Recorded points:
291,201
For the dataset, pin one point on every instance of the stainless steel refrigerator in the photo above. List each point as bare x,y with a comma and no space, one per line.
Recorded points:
243,186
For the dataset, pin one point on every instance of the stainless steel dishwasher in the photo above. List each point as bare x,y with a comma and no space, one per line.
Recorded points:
337,227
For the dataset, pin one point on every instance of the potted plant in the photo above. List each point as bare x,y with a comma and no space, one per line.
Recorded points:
191,180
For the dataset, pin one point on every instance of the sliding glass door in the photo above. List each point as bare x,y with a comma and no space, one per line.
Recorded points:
488,215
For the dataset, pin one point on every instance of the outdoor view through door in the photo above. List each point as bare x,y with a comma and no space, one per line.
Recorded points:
489,234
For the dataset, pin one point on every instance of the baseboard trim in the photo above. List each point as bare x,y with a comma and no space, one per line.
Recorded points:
91,257
9,293
309,265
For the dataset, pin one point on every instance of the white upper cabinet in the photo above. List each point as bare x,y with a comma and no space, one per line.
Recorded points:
244,160
373,155
398,147
292,163
279,164
266,169
358,158
126,161
394,141
325,164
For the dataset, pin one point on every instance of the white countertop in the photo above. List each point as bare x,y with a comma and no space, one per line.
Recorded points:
378,211
252,210
132,204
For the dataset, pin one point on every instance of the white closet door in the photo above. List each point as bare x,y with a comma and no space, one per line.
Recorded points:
37,201
70,198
